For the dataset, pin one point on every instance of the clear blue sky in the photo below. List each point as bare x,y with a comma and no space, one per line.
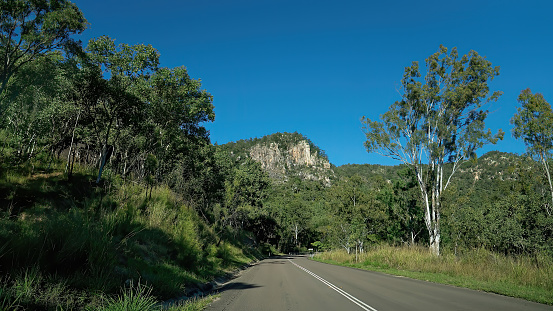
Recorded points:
317,67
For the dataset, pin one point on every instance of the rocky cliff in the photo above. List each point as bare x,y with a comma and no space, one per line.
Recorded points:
285,155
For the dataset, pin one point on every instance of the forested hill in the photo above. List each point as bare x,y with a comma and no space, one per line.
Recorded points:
283,156
287,155
493,165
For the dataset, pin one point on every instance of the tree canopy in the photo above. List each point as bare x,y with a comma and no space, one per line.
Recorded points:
31,28
534,125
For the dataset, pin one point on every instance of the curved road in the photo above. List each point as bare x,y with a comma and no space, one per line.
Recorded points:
296,283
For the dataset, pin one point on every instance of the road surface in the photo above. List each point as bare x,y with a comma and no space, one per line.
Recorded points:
297,283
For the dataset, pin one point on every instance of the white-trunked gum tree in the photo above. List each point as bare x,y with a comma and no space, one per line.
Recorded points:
437,125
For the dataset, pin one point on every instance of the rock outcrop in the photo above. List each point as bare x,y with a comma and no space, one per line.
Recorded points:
286,155
296,160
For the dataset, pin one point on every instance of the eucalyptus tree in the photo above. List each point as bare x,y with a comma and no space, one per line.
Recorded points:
31,92
439,120
32,28
534,125
41,112
245,191
116,74
177,108
404,206
354,212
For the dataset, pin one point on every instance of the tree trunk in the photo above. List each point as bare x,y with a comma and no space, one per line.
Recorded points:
435,216
544,161
431,213
102,163
435,241
296,231
103,155
68,168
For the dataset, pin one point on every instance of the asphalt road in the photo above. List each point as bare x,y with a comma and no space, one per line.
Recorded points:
297,283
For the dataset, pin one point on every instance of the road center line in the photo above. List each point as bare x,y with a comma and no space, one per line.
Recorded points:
356,301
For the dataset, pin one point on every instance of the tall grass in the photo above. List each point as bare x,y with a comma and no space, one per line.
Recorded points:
133,298
72,244
30,289
139,298
528,277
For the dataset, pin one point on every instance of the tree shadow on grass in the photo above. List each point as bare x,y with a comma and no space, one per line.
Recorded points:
50,190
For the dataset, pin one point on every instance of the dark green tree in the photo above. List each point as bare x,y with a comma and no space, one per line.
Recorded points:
177,108
35,95
534,125
245,192
401,195
32,28
115,102
357,215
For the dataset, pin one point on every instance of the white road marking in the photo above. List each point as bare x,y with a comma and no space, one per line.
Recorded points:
356,301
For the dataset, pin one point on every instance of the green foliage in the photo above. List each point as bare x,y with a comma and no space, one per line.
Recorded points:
115,103
37,111
96,243
534,125
367,171
137,298
247,185
439,119
30,29
500,203
294,207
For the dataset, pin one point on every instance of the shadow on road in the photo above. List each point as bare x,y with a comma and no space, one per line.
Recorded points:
280,260
288,256
273,260
273,263
237,286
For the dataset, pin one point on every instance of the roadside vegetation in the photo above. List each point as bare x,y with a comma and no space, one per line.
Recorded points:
110,191
76,245
527,277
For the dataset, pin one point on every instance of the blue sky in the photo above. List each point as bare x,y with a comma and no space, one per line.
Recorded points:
317,67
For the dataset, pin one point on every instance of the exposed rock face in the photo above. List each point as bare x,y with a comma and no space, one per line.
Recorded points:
296,160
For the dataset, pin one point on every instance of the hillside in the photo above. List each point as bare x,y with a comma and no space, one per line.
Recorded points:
493,165
74,245
287,155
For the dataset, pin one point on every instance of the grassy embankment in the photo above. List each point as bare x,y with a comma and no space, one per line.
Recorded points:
530,278
74,245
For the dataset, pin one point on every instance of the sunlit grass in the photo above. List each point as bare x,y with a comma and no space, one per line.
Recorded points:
139,298
70,244
133,298
192,304
525,277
